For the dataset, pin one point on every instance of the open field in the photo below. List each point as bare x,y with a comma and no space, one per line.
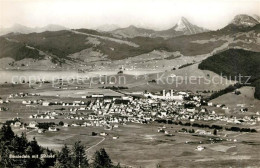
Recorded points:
246,97
141,145
79,93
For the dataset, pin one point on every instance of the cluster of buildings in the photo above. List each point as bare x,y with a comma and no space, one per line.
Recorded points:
45,115
109,112
170,95
17,95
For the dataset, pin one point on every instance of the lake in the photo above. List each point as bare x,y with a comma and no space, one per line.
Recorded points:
12,76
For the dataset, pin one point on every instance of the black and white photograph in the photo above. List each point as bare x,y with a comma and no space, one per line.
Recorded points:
129,83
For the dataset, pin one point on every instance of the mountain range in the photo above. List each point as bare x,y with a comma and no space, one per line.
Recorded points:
17,28
183,27
57,47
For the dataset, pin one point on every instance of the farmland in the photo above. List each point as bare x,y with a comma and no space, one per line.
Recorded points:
138,144
141,145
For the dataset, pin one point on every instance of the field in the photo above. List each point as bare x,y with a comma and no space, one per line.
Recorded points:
142,146
79,93
246,97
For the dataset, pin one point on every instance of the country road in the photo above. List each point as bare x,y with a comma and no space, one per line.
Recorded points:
95,144
107,38
30,131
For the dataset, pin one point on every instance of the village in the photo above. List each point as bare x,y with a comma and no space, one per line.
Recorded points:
98,110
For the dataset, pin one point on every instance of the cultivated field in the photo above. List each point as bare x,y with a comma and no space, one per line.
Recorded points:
141,145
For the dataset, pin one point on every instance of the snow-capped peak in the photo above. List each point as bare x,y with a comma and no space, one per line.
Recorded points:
244,20
182,24
185,26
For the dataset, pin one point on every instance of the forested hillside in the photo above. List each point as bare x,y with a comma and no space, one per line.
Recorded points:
235,62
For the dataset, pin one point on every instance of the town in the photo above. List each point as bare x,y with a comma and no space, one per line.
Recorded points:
144,107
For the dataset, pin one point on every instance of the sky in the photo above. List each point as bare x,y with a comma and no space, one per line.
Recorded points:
155,14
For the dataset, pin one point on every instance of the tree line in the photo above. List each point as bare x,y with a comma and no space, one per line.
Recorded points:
217,127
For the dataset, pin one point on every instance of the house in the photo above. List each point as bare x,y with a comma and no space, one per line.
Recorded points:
203,132
47,117
164,113
97,95
45,103
65,125
74,125
115,137
23,127
225,108
218,105
200,148
240,105
161,130
103,134
116,126
89,124
33,124
192,110
40,131
26,102
203,110
17,124
210,104
52,129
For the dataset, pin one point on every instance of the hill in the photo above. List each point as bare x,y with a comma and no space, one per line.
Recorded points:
133,31
235,62
16,50
107,27
241,23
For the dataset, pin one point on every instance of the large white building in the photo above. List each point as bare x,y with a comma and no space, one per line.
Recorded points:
170,95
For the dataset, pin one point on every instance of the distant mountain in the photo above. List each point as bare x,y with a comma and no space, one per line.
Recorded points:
107,27
74,47
17,28
240,23
244,21
133,31
183,27
50,27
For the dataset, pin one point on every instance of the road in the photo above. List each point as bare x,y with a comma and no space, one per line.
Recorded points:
30,131
107,38
96,144
240,134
